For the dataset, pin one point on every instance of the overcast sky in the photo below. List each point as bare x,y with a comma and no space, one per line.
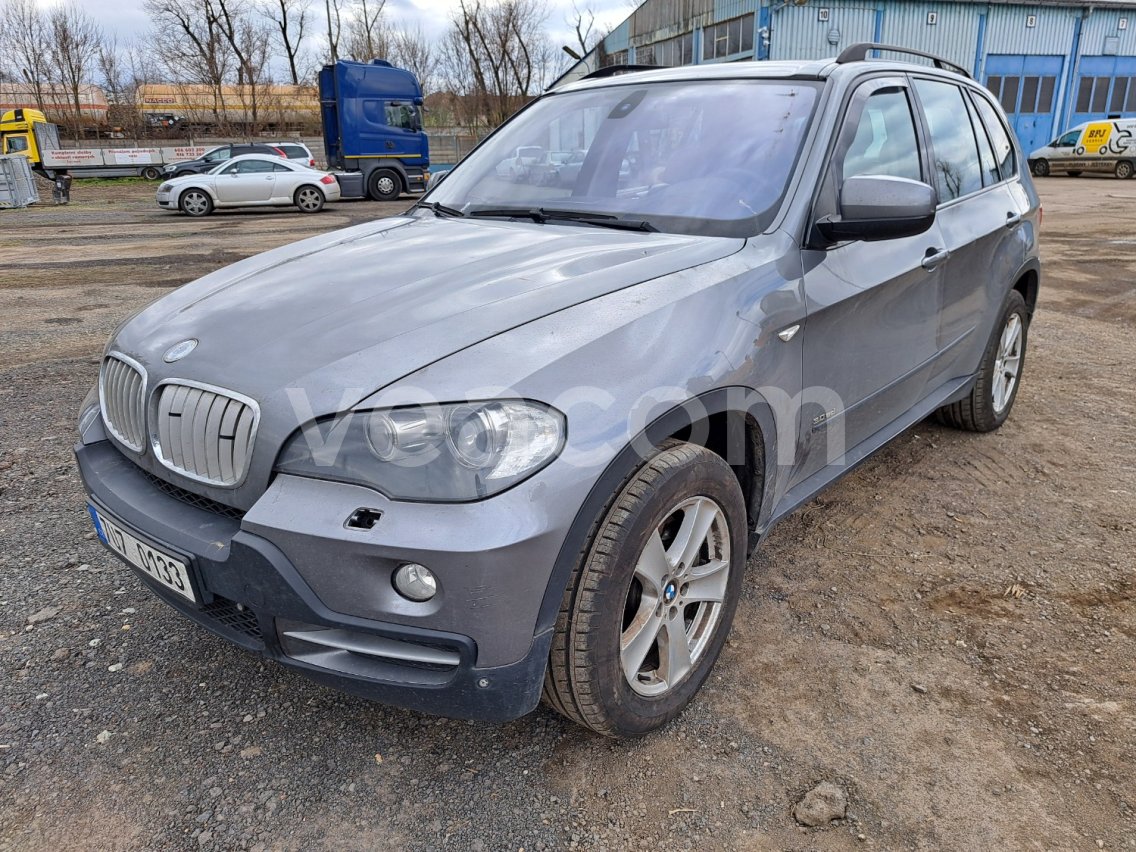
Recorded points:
127,18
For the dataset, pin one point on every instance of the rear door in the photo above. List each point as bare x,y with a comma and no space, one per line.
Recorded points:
979,217
872,328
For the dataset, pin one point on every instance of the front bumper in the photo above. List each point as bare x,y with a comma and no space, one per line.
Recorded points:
254,596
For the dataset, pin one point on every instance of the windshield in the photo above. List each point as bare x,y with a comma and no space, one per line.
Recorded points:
708,157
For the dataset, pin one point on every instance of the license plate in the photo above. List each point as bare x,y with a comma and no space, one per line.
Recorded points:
167,570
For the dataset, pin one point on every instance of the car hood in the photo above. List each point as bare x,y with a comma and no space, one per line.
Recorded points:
344,314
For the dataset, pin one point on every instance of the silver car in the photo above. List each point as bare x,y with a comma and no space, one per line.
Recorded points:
519,441
250,180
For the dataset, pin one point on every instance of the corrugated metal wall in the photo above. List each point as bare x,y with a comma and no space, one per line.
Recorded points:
1104,24
658,19
1006,30
799,33
954,36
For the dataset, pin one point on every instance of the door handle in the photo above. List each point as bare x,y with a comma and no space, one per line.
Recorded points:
1013,219
934,257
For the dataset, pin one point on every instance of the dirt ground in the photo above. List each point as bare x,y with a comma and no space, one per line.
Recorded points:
948,634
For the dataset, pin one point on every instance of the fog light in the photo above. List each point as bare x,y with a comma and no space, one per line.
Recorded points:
415,582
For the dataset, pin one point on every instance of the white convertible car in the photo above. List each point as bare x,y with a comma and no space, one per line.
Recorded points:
251,180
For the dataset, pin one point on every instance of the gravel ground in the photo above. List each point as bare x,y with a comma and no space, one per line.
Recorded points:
947,635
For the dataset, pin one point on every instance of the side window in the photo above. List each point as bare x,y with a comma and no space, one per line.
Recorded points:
254,166
885,142
1000,137
17,143
1069,139
957,169
218,156
990,174
231,169
279,167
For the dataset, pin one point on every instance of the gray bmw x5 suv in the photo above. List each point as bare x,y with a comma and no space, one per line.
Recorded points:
520,440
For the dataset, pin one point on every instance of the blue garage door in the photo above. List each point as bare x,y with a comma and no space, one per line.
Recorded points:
1106,86
1027,89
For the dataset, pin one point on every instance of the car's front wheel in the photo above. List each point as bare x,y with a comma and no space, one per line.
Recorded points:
308,199
999,375
195,202
652,598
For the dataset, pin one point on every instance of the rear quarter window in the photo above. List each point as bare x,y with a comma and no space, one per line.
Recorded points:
999,136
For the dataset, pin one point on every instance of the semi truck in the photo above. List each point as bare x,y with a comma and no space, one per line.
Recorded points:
371,113
27,132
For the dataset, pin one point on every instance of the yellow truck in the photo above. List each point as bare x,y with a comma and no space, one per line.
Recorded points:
28,132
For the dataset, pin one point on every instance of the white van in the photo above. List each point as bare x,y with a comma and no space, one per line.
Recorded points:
1095,146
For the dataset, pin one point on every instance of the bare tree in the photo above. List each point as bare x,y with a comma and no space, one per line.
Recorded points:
26,45
249,42
334,27
121,71
367,34
191,46
74,51
412,50
495,57
583,23
290,17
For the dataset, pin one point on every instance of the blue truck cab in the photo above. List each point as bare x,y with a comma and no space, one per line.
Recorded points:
372,124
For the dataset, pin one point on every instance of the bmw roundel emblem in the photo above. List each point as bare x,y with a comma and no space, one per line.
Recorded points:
179,350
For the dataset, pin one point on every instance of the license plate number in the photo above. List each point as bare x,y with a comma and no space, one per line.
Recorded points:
165,569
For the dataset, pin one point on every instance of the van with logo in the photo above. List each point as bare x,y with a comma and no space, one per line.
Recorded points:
1095,146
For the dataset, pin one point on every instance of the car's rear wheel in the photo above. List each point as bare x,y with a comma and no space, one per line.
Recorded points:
1041,168
1123,170
652,597
999,376
384,185
308,199
195,202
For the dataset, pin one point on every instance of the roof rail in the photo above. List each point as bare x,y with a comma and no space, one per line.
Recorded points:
615,70
859,53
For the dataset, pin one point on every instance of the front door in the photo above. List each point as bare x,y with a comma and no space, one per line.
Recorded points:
873,307
246,182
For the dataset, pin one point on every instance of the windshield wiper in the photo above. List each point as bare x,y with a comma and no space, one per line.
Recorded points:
439,209
544,214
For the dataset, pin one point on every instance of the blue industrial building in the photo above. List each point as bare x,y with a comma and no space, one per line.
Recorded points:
1052,65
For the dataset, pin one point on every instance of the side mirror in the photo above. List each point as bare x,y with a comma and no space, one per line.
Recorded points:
880,207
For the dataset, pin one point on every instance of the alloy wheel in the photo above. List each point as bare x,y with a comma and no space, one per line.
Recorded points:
308,200
676,594
1008,362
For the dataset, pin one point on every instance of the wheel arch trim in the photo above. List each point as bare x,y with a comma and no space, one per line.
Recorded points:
627,460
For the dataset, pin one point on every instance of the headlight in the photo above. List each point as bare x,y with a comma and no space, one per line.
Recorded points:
164,188
444,453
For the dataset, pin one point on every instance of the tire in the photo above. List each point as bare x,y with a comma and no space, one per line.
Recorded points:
609,602
151,173
195,202
990,402
1074,174
384,185
184,173
1123,170
309,199
1041,168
